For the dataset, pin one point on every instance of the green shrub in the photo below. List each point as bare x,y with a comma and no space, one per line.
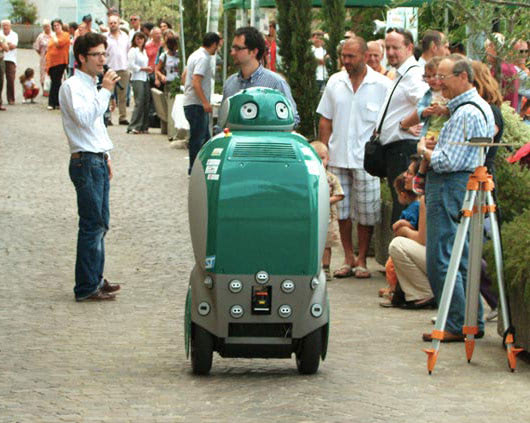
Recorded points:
516,244
513,181
24,12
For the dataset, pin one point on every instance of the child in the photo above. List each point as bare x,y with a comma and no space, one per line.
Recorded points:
28,85
432,112
409,218
335,195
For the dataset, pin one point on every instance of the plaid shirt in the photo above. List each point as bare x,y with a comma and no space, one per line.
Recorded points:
448,157
260,78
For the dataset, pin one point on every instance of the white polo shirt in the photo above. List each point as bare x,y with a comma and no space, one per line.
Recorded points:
353,115
409,91
11,55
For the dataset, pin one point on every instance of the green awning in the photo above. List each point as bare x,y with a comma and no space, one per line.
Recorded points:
239,4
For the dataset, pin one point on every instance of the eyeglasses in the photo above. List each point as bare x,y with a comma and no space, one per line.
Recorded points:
426,77
102,54
238,48
523,51
444,77
134,19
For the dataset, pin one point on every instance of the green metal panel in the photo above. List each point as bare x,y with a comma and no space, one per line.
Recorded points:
239,4
255,220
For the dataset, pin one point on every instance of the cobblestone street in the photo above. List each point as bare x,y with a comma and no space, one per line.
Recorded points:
124,361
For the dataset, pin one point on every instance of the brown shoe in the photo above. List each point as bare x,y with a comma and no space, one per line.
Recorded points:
99,296
108,287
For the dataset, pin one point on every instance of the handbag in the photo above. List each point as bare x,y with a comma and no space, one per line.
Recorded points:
374,153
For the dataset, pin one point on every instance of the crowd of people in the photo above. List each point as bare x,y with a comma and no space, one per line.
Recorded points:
418,106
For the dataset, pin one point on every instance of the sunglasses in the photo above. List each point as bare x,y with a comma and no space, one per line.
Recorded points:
523,51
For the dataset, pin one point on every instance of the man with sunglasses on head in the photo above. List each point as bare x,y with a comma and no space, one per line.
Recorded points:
82,110
403,95
247,51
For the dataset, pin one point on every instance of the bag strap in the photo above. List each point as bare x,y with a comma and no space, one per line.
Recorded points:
474,104
390,98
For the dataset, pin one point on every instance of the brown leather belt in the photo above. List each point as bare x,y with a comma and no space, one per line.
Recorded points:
80,154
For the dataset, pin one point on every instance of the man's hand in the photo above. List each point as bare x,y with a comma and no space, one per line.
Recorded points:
439,110
415,130
109,166
109,80
207,107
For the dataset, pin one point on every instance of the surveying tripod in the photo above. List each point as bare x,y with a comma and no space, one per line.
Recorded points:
477,202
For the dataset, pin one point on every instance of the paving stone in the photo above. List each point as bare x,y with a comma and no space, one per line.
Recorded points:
124,361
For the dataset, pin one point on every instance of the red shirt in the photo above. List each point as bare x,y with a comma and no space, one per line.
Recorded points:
151,49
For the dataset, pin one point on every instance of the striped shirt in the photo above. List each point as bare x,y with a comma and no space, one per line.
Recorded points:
448,157
260,78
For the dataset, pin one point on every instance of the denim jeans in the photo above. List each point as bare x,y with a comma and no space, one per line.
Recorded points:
444,198
199,130
90,177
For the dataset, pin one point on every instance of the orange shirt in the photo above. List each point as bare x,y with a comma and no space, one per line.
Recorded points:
58,54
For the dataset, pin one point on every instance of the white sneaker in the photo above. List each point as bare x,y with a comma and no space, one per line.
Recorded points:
24,101
492,315
433,320
49,108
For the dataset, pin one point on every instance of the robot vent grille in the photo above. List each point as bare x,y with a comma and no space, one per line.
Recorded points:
264,150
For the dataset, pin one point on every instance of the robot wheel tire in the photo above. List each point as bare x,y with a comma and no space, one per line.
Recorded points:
201,350
308,357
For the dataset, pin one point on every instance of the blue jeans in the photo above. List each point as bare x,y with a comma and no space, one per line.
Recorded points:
199,130
90,176
444,198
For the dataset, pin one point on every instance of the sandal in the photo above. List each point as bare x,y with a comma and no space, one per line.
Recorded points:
385,292
360,272
345,271
327,273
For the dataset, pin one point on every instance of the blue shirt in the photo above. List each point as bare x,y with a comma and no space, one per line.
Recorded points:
260,78
465,123
412,214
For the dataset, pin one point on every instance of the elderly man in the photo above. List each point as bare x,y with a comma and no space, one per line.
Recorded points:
450,167
348,110
10,59
118,45
374,58
136,26
407,89
247,51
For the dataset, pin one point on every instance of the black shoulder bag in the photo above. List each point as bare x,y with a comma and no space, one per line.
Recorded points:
374,154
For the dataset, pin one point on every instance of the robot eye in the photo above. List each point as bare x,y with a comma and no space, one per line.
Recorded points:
249,111
281,110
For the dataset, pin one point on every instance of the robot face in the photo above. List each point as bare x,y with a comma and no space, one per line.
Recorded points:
249,110
281,110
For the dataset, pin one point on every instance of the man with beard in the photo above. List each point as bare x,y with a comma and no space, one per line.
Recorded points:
349,108
247,51
407,89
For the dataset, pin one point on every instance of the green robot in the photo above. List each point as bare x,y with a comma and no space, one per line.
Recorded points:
258,213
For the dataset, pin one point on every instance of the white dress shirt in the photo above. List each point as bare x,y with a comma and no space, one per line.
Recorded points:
11,55
138,59
82,109
409,91
353,115
117,49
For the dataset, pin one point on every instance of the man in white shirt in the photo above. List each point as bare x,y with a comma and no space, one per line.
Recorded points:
3,48
118,45
197,91
400,144
320,55
10,60
349,108
82,110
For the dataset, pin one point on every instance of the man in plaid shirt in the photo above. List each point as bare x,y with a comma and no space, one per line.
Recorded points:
449,171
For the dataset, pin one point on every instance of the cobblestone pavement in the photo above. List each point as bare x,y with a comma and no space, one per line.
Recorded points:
124,361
